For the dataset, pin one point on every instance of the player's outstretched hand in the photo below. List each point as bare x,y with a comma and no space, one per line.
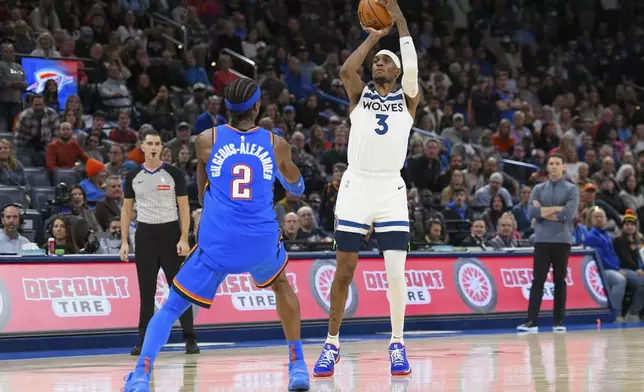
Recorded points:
182,247
392,8
377,33
125,250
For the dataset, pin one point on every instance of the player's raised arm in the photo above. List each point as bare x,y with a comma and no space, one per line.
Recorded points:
288,174
408,54
203,147
349,71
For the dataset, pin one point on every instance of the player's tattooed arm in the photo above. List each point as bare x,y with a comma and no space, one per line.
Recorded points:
284,159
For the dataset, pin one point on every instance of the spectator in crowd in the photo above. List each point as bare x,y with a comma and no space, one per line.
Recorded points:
627,247
35,128
477,237
182,139
631,193
11,242
61,231
80,209
458,215
290,227
113,91
12,173
520,211
599,239
329,197
116,159
424,172
110,206
307,230
484,196
211,117
12,85
122,133
94,184
197,104
64,152
503,238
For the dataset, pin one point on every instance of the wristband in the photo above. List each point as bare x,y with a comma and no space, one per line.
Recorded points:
296,188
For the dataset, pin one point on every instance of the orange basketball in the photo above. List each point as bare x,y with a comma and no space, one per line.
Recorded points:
373,15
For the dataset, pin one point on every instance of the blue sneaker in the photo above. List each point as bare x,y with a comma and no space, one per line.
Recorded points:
298,377
325,365
398,357
136,384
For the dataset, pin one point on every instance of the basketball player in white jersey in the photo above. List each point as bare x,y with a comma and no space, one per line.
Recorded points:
372,192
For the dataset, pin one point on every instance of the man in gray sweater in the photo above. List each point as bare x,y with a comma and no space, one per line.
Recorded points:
553,204
12,85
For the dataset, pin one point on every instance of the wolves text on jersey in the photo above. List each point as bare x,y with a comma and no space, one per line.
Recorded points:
230,149
383,107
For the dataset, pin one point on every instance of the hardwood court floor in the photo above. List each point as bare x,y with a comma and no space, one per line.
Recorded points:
607,360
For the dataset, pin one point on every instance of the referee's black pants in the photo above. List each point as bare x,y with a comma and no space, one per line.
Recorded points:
156,246
546,254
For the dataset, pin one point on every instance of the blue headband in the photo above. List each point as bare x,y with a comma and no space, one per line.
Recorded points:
243,106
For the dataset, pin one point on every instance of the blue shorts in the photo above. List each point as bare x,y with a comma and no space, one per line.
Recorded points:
197,280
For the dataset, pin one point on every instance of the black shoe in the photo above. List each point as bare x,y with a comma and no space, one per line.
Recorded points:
191,347
558,327
529,326
136,350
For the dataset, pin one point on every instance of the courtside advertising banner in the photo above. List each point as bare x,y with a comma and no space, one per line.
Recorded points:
98,296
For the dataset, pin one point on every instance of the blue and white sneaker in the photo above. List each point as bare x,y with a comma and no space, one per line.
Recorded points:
298,376
136,384
325,366
398,357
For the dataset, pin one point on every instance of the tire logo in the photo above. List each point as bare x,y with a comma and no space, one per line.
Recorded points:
593,280
5,306
321,277
162,293
475,285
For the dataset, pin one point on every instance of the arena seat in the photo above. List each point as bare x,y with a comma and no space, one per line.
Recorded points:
41,195
13,194
70,177
37,177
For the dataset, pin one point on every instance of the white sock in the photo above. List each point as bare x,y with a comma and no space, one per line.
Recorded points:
397,292
333,339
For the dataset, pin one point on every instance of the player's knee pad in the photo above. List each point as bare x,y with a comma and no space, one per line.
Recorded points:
393,240
176,303
395,265
348,242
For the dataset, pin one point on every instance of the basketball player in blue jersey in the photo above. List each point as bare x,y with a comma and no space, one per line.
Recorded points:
236,167
372,192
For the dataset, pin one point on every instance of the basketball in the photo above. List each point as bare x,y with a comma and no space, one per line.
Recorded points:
373,15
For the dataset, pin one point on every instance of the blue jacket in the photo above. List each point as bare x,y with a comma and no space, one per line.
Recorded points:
600,240
204,121
550,194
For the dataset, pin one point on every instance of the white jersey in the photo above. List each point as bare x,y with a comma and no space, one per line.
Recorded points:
379,135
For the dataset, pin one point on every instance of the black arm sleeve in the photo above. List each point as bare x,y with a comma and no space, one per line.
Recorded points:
179,177
128,192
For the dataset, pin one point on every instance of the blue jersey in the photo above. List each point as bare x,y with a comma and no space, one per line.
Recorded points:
238,219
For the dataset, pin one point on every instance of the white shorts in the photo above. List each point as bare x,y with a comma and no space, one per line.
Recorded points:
366,199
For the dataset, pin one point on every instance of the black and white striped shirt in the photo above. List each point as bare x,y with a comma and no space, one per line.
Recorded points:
156,193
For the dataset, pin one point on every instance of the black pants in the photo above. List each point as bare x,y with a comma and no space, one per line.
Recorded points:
156,246
546,254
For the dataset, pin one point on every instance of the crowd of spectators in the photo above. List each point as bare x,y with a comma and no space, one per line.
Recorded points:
504,83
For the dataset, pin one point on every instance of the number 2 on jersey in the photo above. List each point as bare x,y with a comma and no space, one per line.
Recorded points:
382,122
239,189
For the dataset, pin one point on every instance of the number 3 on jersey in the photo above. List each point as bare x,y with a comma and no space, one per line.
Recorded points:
382,123
240,189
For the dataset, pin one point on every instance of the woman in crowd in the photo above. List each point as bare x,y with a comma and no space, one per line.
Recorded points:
492,214
631,193
80,209
61,231
12,173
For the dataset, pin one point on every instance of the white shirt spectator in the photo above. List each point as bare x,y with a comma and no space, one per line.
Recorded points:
10,245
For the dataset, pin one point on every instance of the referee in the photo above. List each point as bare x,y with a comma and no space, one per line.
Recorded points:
553,205
161,236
